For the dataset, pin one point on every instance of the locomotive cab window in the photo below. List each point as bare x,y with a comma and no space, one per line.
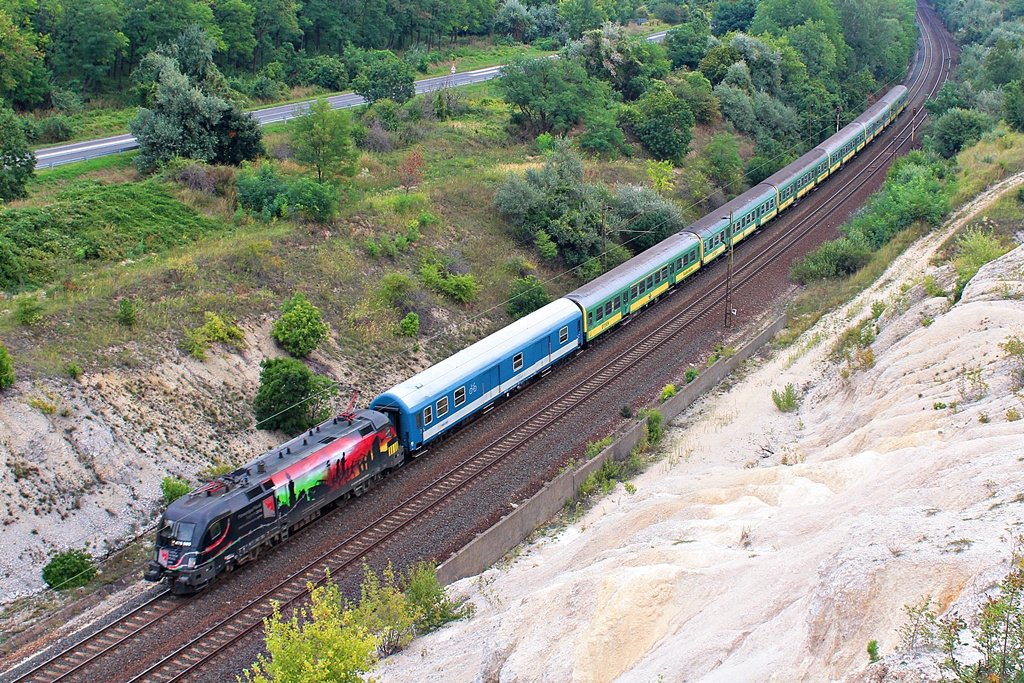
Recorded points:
442,407
428,415
460,393
563,336
517,362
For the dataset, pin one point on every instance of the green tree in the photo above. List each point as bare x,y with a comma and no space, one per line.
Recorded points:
85,39
687,43
581,15
660,174
722,162
23,75
526,297
324,642
275,24
1013,105
717,60
732,16
627,64
235,19
695,89
550,95
643,217
1004,63
385,611
291,398
385,76
6,367
301,328
69,569
187,119
661,122
17,162
958,128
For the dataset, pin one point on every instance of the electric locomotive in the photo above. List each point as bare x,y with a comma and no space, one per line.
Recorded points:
231,520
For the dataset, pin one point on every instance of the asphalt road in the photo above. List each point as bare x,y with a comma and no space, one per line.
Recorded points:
90,149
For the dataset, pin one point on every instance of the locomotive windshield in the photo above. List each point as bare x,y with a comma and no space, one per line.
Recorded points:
176,533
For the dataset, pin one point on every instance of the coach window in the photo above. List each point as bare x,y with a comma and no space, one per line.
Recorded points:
590,319
679,263
517,362
599,313
633,292
608,309
664,272
616,306
657,277
460,393
563,336
650,281
442,407
428,415
419,421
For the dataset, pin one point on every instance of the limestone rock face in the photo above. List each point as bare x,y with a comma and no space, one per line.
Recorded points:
773,547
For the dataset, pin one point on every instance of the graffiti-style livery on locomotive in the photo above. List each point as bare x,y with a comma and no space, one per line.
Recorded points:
232,519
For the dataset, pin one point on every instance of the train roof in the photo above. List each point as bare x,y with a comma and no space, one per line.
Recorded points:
480,355
717,219
625,274
227,492
879,108
794,169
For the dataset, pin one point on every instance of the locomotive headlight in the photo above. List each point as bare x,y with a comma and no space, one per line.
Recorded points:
191,561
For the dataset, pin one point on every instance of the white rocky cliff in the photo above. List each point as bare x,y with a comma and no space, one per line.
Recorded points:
772,546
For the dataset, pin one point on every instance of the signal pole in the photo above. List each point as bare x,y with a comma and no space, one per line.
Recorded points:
728,279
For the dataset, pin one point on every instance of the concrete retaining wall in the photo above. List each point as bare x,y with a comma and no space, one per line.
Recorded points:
491,545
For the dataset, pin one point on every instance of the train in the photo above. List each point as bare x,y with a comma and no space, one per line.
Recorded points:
233,519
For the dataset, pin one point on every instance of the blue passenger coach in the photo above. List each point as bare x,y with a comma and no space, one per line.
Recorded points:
433,401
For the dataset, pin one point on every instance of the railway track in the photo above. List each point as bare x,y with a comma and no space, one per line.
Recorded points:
77,662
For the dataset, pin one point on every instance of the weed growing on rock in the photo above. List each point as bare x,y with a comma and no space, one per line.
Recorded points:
28,310
1013,347
921,626
6,368
668,392
1012,415
970,385
128,312
214,329
873,651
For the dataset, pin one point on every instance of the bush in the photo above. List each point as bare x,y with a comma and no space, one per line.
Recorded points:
6,368
545,246
259,191
214,329
430,600
655,427
127,312
56,128
461,288
312,200
833,259
291,398
301,328
28,310
691,374
69,569
173,489
974,249
958,128
527,296
668,392
787,400
385,611
410,325
73,369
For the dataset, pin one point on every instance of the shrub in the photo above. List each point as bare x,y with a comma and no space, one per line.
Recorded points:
291,398
301,328
262,192
28,310
655,427
625,411
73,369
545,142
385,611
127,312
395,288
410,325
461,288
173,489
545,246
69,569
594,448
786,400
833,259
214,329
6,368
312,200
527,296
430,600
668,392
1014,349
691,374
873,651
57,128
974,249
